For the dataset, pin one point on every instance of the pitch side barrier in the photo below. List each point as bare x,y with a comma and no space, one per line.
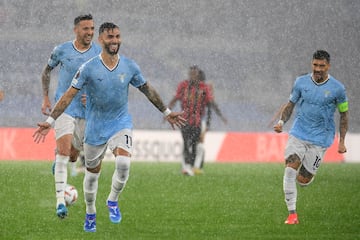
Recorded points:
166,146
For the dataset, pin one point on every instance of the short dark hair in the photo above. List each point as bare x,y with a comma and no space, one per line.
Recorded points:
82,18
194,66
108,26
322,55
202,76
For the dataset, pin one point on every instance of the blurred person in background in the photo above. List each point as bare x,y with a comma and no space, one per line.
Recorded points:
106,79
194,96
69,127
205,126
316,96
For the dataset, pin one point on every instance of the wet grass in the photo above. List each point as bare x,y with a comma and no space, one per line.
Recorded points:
231,201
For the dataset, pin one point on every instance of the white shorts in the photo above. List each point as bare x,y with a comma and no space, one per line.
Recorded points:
66,124
310,155
95,154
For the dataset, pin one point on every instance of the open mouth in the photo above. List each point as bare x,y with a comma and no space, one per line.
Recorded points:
113,47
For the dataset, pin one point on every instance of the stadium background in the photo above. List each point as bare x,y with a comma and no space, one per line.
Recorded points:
250,50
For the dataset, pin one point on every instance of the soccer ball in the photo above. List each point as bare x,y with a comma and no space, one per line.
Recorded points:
71,195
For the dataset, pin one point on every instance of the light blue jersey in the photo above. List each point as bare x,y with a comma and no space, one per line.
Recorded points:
70,59
316,105
107,97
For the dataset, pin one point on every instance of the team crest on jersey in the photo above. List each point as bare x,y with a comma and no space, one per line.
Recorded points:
122,77
327,93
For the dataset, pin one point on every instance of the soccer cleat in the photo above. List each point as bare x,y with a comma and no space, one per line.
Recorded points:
198,171
114,212
292,219
187,172
61,211
90,223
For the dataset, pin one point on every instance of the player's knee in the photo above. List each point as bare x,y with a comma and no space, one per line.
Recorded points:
122,164
304,181
293,161
95,169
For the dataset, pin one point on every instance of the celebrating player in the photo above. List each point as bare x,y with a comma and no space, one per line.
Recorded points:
316,95
108,124
69,127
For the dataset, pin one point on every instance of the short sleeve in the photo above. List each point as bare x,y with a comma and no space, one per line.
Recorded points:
54,59
209,93
79,77
342,100
180,91
295,92
137,79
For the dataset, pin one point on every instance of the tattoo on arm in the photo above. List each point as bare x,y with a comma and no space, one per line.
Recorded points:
344,124
153,96
63,102
287,111
45,80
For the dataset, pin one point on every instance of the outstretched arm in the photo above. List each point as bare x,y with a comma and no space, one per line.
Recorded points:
154,98
60,106
218,111
172,103
284,116
45,81
344,121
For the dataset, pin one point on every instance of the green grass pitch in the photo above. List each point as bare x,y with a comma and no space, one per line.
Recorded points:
231,201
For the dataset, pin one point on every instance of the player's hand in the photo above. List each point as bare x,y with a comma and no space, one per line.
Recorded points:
175,118
341,148
40,133
278,128
46,106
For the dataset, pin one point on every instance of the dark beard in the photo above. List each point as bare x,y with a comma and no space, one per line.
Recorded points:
111,52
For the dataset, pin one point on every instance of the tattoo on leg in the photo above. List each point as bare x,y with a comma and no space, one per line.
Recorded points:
305,173
292,159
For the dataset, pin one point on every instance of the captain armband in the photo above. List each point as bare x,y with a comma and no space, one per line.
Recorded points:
343,107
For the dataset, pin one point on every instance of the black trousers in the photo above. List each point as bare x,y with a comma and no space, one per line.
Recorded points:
191,137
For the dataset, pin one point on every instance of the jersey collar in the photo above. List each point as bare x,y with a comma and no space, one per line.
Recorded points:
327,79
80,51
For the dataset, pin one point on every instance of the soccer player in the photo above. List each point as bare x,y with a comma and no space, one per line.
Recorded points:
106,79
194,96
205,126
69,127
316,95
